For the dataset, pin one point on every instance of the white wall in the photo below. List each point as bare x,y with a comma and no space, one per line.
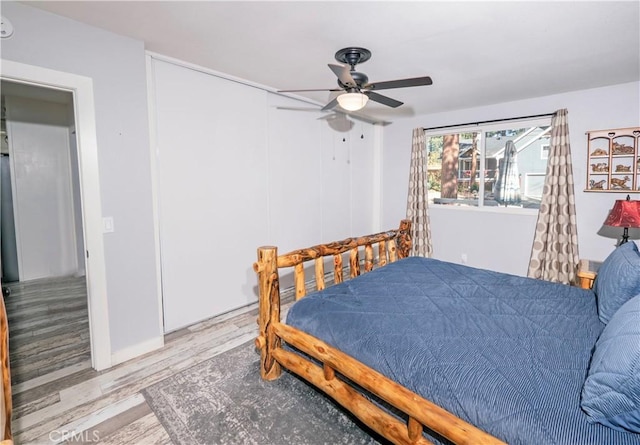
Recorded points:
116,65
240,167
321,178
478,233
40,157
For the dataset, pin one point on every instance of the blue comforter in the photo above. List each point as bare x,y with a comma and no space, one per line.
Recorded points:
505,353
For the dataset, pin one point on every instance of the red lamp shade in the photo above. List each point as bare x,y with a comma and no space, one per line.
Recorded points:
625,213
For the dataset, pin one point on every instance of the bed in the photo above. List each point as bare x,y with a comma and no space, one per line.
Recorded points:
425,351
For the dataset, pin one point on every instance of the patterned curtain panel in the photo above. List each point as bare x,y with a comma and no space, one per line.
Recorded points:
417,200
554,256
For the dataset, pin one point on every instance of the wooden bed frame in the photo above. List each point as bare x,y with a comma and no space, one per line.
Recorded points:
392,245
5,378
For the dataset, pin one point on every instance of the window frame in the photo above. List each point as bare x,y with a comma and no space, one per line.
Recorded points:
544,154
483,129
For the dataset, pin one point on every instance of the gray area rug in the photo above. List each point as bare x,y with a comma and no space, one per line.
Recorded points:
224,401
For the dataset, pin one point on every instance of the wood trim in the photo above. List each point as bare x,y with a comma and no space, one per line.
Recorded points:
392,245
84,107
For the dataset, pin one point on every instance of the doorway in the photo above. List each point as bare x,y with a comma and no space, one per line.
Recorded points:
41,235
81,88
41,181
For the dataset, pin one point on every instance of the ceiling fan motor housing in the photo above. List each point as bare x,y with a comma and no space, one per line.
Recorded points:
353,55
360,79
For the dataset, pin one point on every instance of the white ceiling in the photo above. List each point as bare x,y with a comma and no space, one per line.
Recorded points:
477,53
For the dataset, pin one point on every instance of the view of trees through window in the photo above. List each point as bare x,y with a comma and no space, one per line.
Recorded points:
488,167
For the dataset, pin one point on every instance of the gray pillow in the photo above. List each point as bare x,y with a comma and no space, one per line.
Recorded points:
618,280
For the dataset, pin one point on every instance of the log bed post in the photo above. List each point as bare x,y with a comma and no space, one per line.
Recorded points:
5,377
269,289
404,239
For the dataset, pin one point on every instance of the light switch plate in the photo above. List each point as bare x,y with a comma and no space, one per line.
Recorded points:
107,224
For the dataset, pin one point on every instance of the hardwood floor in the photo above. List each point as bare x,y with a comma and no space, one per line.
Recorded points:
48,326
72,403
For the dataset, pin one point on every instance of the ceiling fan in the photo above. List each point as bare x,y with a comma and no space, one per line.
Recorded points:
356,86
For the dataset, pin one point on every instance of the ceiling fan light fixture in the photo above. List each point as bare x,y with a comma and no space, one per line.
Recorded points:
353,101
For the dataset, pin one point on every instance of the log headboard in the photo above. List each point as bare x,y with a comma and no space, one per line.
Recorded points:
391,246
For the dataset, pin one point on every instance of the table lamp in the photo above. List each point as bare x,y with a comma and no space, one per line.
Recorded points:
625,213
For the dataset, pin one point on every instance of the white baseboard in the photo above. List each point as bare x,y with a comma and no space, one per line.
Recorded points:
136,350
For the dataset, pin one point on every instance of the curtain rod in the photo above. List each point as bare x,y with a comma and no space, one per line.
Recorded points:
490,121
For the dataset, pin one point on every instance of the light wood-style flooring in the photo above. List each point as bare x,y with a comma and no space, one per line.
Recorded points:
56,400
48,326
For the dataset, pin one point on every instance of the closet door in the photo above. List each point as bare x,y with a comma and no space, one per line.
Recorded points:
239,168
212,191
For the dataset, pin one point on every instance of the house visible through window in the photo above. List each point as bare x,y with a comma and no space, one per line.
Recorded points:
490,165
544,154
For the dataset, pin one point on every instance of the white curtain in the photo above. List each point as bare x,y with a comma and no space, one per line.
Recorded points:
417,199
554,255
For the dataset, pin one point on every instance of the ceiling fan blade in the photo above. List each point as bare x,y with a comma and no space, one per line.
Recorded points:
301,91
330,105
400,83
351,114
314,109
344,75
383,99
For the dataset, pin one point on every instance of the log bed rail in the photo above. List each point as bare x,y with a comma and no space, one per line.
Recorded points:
5,378
392,245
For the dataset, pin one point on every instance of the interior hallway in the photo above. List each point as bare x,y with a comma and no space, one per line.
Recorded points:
48,326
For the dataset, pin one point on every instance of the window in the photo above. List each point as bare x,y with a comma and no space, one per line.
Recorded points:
468,167
544,154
